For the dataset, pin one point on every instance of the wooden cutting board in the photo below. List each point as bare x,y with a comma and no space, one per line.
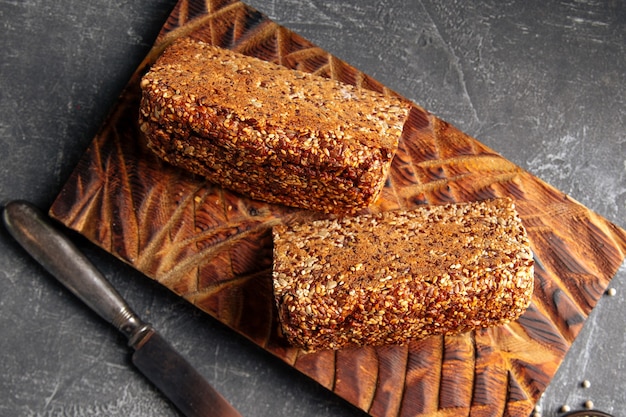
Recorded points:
213,247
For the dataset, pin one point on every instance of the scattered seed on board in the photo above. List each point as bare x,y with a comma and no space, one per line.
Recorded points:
588,404
586,383
611,292
537,411
565,408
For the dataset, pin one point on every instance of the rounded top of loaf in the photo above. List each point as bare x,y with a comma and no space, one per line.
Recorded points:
272,95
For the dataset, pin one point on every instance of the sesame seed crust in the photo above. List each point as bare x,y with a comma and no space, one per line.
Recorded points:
393,277
269,132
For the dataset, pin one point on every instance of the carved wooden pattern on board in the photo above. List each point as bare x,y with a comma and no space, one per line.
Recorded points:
213,247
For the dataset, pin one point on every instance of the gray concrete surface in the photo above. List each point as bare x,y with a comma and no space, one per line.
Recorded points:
543,83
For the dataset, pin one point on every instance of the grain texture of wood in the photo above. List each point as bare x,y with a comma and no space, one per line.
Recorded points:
213,248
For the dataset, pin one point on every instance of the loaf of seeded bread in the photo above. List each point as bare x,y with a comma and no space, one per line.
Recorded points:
393,277
268,132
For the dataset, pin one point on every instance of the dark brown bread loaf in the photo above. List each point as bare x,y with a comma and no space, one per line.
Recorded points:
271,133
393,277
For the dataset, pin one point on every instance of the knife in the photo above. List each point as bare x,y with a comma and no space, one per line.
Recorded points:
153,355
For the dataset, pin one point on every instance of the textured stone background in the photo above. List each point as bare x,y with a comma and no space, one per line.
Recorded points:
543,83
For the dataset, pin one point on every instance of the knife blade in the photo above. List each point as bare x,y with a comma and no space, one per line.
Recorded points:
153,355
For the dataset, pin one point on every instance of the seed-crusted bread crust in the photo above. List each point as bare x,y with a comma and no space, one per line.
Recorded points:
272,133
393,277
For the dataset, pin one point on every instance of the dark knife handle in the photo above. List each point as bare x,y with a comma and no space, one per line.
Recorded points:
165,367
67,264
